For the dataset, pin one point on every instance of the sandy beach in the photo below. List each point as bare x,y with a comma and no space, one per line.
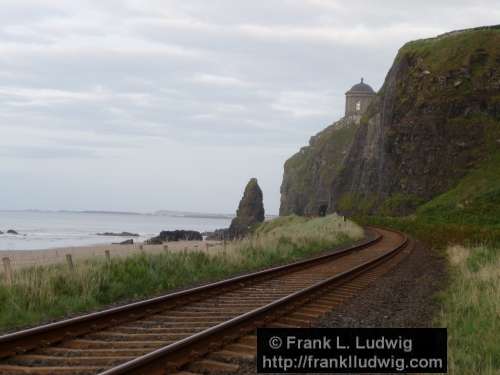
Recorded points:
26,258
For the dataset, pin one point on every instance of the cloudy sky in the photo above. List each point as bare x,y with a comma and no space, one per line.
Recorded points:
144,105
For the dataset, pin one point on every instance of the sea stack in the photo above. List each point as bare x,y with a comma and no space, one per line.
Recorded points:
250,210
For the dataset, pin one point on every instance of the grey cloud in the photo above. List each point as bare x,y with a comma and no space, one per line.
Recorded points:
46,152
202,89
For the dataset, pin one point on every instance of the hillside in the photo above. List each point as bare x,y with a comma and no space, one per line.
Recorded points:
474,200
435,121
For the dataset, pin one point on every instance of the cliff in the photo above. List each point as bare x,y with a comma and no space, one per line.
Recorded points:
309,174
436,119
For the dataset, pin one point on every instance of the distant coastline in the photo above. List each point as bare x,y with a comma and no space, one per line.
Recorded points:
170,213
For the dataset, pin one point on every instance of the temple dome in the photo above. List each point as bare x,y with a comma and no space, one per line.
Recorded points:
361,88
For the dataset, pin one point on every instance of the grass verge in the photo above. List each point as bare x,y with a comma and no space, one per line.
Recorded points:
49,292
471,310
471,300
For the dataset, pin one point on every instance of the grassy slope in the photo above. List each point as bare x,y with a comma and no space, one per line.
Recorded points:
475,50
49,292
450,51
474,201
467,214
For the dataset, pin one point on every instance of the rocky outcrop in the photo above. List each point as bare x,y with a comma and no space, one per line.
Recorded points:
126,242
12,231
436,117
309,174
175,235
218,235
250,210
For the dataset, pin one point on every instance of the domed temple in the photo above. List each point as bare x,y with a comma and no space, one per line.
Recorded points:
358,98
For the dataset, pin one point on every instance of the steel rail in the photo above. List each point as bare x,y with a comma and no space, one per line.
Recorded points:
170,357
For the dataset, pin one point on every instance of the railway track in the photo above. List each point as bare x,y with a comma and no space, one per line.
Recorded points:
204,329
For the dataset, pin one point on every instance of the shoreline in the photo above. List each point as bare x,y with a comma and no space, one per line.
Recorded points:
26,258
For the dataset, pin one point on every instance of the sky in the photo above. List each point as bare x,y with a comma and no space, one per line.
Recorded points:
142,105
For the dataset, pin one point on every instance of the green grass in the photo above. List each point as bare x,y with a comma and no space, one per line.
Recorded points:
471,310
475,200
470,239
42,293
438,234
463,225
471,299
467,214
452,51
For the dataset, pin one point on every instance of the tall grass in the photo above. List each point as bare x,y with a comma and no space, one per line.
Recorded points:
49,292
471,310
471,301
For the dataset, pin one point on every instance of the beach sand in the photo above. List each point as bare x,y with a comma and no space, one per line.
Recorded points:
26,258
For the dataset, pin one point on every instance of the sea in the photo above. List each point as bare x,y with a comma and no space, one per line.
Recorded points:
47,229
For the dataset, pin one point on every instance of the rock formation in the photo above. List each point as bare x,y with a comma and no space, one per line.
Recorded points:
126,242
175,235
218,235
12,231
250,210
436,117
309,174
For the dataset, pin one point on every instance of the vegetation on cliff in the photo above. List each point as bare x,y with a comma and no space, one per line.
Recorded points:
48,292
437,118
309,174
475,200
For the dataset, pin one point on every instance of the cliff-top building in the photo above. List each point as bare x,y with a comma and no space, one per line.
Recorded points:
358,98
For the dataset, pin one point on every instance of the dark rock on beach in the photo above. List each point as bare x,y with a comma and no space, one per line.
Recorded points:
126,242
175,235
218,235
122,234
12,231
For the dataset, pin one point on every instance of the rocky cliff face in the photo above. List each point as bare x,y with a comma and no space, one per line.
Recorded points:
436,117
309,174
250,210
